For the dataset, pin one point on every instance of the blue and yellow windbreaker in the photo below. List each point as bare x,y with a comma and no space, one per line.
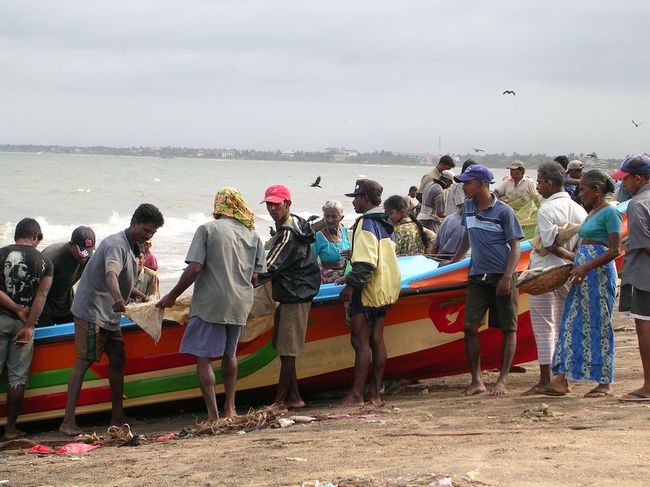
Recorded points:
374,263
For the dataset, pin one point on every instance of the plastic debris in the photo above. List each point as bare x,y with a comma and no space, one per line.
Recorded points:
76,448
296,459
302,419
444,482
286,422
163,438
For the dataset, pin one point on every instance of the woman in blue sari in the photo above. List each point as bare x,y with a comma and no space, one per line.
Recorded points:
585,349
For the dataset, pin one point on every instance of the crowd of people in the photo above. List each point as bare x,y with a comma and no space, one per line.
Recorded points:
446,217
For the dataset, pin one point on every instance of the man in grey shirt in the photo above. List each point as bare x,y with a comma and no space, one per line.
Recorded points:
635,289
224,259
104,288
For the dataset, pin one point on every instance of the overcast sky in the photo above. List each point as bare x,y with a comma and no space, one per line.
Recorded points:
369,75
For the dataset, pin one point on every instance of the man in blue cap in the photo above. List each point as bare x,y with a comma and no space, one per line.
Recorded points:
493,233
635,281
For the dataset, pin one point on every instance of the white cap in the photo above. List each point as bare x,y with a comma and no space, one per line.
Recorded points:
575,164
448,174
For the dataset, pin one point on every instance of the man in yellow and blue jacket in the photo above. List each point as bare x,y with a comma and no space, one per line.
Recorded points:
371,287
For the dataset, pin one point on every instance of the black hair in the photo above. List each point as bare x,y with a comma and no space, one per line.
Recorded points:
553,172
467,164
399,203
448,160
563,161
374,198
597,178
28,228
413,188
148,213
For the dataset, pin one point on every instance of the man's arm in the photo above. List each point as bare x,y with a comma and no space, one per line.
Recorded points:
25,333
188,277
7,303
463,247
280,257
113,287
505,283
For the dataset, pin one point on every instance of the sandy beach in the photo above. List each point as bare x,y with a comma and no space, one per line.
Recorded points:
425,434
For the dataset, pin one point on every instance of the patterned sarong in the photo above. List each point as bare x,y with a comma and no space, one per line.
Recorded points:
585,349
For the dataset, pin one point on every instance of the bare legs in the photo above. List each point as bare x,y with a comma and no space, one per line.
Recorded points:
69,424
206,383
367,342
643,334
473,350
288,395
15,396
229,370
115,379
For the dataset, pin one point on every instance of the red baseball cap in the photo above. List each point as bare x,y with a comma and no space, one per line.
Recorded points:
276,194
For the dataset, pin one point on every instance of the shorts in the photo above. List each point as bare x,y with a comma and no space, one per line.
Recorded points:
49,320
370,314
17,358
290,328
205,339
91,340
634,301
482,297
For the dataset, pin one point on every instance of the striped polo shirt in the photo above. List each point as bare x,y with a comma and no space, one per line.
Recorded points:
489,232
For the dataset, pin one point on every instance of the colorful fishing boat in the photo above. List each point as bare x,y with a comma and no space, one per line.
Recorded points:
423,334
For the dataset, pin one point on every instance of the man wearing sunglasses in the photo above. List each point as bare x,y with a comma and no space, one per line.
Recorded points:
69,260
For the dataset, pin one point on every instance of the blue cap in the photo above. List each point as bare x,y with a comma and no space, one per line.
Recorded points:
476,171
639,164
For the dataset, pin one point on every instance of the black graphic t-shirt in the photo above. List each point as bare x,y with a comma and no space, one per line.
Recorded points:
23,268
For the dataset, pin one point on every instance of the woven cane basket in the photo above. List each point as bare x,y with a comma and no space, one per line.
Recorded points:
547,281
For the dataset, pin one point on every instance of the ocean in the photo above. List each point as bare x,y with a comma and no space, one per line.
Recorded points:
63,191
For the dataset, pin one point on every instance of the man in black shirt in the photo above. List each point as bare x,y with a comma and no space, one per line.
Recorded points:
69,260
27,279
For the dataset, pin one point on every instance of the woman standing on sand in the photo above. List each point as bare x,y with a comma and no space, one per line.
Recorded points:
585,349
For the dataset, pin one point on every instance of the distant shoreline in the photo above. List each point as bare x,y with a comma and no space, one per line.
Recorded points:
330,156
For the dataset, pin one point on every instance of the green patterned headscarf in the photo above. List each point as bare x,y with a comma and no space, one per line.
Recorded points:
230,202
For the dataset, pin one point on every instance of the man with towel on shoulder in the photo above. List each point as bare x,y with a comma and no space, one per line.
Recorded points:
223,261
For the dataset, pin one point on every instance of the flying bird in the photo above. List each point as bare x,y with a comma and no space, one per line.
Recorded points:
637,124
316,184
509,92
478,150
593,155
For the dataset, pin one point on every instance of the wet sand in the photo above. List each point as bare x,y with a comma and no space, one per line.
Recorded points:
425,433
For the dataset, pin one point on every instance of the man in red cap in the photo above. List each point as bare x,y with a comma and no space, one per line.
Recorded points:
294,273
69,260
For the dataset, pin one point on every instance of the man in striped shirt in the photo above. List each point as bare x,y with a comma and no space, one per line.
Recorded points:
493,233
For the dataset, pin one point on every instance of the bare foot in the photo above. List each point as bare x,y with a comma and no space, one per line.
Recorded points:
351,400
500,389
229,413
557,387
474,388
601,390
296,404
13,434
538,388
70,429
376,400
280,407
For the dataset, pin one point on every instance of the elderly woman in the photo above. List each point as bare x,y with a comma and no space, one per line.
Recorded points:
411,237
332,245
585,348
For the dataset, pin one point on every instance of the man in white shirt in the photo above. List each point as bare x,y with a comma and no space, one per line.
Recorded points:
546,309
